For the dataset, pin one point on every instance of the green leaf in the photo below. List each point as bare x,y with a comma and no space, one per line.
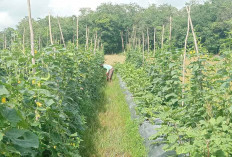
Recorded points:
1,136
49,102
220,119
3,90
212,121
23,138
172,138
74,135
11,115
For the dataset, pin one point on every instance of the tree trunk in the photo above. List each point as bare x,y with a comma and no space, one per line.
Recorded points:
101,46
148,41
129,40
31,34
77,32
133,36
184,59
99,41
50,28
61,33
136,42
121,33
126,37
162,40
154,41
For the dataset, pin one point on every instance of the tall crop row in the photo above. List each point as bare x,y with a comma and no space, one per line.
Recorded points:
202,125
43,113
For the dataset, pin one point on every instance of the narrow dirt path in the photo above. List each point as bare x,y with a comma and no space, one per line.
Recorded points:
113,133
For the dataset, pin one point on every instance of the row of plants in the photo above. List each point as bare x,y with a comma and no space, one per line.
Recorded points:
43,107
196,115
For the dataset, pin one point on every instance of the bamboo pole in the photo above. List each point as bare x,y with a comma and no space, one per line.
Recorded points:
77,32
148,40
31,34
61,33
86,37
162,40
50,29
170,31
47,36
95,43
5,42
184,59
143,46
91,42
154,41
39,42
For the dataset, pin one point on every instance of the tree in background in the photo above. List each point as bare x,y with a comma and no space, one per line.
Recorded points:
110,23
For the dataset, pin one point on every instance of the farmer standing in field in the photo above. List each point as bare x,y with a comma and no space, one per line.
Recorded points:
109,72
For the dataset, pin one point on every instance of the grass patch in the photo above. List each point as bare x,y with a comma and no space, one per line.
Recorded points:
112,132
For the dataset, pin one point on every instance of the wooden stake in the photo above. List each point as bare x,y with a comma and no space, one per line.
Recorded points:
5,41
24,40
95,43
39,43
162,40
47,36
31,34
143,46
154,41
86,37
148,40
50,29
170,31
3,44
77,32
194,35
61,33
184,59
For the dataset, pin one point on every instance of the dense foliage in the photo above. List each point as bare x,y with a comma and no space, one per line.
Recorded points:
201,126
212,21
43,113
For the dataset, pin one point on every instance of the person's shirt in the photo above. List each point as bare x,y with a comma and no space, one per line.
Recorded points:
107,67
